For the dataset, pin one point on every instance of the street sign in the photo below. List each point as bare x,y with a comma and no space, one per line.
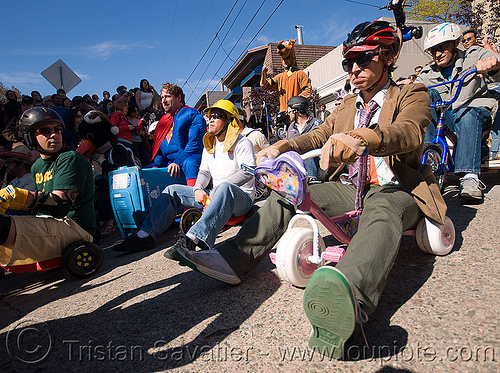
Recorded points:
61,76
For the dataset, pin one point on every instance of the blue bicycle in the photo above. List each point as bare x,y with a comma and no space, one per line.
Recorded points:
437,153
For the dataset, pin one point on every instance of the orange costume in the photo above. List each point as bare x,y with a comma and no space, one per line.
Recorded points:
291,82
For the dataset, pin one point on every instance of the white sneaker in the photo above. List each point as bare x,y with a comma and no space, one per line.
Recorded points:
210,263
471,188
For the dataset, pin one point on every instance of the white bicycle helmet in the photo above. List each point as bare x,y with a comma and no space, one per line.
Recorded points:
441,33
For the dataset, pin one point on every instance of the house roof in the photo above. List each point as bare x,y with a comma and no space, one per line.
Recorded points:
250,60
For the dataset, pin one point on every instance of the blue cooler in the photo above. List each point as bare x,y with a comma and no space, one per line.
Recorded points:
133,191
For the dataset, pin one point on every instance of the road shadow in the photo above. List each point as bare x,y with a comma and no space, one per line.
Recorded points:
162,325
409,273
33,290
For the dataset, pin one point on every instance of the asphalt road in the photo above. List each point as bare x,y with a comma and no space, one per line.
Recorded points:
144,313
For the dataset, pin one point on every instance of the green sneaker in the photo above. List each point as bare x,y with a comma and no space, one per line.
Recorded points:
332,308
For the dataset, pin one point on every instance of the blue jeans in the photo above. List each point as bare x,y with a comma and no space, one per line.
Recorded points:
495,135
467,123
312,165
227,200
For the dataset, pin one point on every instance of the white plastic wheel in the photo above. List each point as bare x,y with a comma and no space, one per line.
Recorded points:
435,239
291,256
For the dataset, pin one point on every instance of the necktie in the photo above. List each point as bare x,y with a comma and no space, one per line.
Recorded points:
358,172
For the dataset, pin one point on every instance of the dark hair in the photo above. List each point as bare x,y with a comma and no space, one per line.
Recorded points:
386,54
132,105
103,107
77,100
468,31
120,89
149,86
71,118
7,94
174,90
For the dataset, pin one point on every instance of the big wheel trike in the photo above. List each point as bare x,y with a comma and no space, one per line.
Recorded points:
302,250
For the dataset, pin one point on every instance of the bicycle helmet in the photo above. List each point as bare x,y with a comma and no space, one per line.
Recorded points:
33,117
440,34
369,35
298,103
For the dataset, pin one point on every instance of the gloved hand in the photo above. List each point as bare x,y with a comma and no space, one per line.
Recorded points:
341,148
273,151
13,198
270,152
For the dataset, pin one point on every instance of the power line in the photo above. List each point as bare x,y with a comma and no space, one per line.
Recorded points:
359,2
216,34
168,42
244,50
197,36
219,47
251,41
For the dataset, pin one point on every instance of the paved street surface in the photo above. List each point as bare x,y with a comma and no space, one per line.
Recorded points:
144,313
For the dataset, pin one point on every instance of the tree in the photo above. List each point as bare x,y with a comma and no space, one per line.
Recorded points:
4,89
434,10
482,15
271,98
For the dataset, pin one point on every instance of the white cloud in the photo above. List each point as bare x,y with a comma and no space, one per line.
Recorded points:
332,32
17,78
82,75
109,47
264,39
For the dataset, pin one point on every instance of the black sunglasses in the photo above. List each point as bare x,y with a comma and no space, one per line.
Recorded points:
47,131
216,116
362,61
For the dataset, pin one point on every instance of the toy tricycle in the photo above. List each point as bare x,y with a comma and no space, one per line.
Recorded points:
302,250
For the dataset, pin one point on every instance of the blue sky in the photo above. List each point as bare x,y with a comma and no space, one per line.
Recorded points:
112,43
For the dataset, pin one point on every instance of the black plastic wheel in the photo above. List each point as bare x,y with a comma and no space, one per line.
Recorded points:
188,219
434,153
281,133
82,259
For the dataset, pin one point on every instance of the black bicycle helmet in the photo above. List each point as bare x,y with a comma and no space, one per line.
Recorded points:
33,117
369,35
298,103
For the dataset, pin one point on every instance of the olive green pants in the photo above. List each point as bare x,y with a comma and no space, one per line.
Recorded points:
387,212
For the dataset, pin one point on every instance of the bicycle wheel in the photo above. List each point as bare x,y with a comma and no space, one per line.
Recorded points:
291,256
434,153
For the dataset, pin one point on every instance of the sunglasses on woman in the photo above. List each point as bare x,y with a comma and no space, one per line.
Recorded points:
216,116
362,61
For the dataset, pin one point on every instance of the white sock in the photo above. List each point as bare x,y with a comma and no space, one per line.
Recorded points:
142,234
473,176
192,238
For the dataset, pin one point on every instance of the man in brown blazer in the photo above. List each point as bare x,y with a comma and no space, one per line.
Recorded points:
397,195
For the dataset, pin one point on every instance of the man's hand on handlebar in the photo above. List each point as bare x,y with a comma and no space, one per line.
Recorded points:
270,152
341,148
487,64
